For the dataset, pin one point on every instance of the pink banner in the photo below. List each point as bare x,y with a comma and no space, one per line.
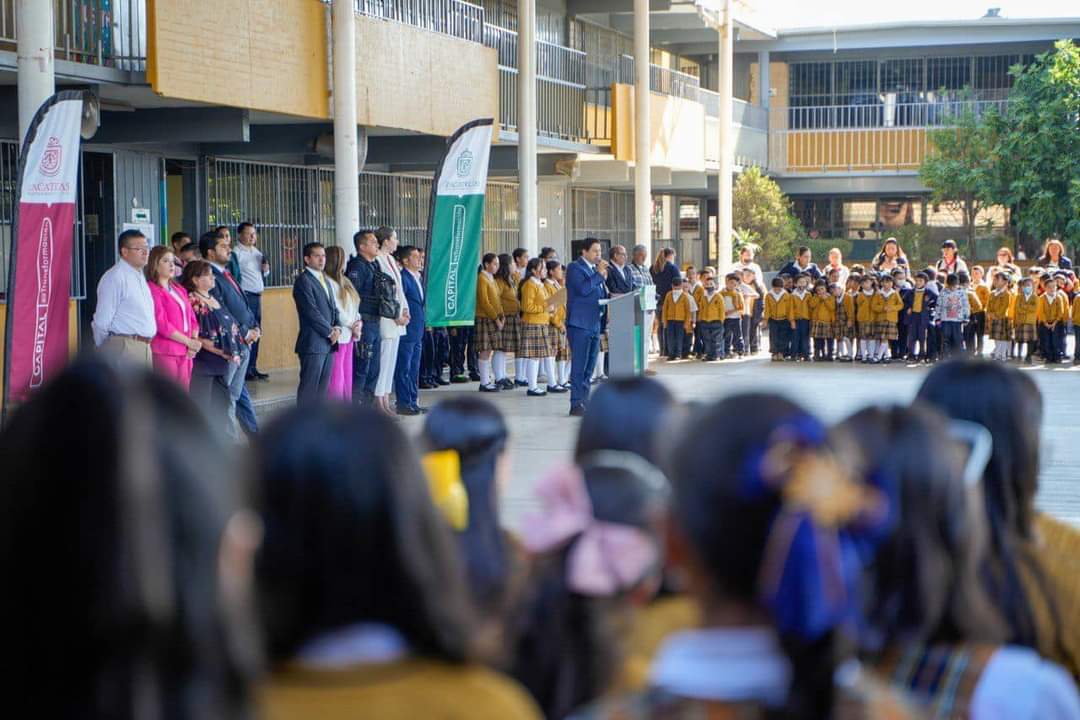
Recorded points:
40,279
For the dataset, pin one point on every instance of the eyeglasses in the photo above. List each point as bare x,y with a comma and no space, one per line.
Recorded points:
139,248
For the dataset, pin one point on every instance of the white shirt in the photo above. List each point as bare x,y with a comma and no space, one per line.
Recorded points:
124,304
348,310
251,276
1017,684
419,281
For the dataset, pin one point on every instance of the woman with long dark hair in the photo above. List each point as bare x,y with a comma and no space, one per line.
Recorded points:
890,257
1031,563
363,595
931,629
510,335
126,554
1053,255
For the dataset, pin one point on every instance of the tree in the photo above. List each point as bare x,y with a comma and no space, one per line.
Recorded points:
761,212
956,169
1037,144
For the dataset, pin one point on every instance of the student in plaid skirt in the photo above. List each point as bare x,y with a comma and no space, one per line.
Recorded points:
557,368
489,321
864,319
823,318
842,330
1025,318
535,345
999,315
510,335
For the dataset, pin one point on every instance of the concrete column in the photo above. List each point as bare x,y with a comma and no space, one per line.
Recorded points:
526,91
642,128
346,161
726,58
763,78
36,69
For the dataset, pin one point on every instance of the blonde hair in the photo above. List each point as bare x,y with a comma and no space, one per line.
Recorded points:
335,269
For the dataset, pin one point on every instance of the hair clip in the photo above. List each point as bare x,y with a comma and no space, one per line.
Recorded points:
443,468
979,443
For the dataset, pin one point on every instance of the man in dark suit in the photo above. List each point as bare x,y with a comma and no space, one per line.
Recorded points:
317,340
216,248
585,287
620,280
362,272
407,370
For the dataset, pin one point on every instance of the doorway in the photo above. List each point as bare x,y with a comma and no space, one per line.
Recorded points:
181,211
97,230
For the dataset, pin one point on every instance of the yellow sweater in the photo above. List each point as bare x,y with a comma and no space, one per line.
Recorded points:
678,310
887,309
710,310
983,291
975,302
534,303
1026,312
864,308
1055,311
508,297
403,690
823,309
1076,310
800,307
736,299
1056,549
488,304
778,308
997,306
558,318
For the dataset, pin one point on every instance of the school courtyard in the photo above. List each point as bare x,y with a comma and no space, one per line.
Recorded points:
542,434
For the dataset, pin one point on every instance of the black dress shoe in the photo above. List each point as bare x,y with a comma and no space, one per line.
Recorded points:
489,388
537,393
420,409
441,382
260,375
427,386
521,383
578,411
474,376
556,389
406,411
507,384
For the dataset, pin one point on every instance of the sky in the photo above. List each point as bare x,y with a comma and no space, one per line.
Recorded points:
822,13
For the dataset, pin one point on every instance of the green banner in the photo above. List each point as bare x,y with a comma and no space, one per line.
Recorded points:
456,224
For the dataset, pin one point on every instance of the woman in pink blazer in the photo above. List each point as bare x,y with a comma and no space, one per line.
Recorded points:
176,342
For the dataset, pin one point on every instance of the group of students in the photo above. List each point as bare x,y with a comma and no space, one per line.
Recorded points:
712,318
815,572
876,317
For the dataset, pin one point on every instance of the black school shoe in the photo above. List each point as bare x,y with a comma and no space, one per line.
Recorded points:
521,383
489,388
537,393
506,384
557,389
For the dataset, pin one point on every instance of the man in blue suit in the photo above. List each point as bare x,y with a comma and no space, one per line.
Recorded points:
585,287
407,370
317,340
216,248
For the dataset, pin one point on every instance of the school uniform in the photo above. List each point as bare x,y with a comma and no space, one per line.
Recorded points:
919,318
979,319
864,316
710,324
1052,311
733,311
800,312
1076,328
535,319
976,326
998,315
678,321
751,302
822,322
777,313
1025,320
488,310
692,343
844,316
953,311
510,335
887,309
558,326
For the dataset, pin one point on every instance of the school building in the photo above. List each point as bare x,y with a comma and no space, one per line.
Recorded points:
217,112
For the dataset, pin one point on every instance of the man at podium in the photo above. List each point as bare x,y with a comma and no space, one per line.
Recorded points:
585,287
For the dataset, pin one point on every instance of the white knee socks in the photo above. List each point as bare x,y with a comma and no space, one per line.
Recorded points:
883,349
599,369
549,371
532,369
484,366
564,372
519,368
498,360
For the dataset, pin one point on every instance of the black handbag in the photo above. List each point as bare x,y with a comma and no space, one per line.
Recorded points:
386,291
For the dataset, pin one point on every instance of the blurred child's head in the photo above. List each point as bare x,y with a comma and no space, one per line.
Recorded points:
789,282
777,283
555,270
821,288
887,282
691,274
977,274
921,279
952,281
963,278
748,276
867,282
836,290
858,269
709,282
1050,283
1027,286
1001,280
706,273
731,281
853,282
834,275
676,283
899,275
803,281
931,274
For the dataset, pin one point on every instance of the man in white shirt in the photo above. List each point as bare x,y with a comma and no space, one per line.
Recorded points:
124,322
253,271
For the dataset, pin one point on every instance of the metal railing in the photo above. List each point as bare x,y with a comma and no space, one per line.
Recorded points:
110,33
661,79
447,17
742,112
560,85
883,114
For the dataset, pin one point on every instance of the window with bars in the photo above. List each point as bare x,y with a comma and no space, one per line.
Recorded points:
604,214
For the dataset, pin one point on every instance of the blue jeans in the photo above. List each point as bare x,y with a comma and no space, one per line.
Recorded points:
584,349
254,302
800,345
241,411
674,333
407,374
733,338
952,338
779,338
366,362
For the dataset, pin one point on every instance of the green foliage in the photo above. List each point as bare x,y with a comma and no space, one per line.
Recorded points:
762,214
1037,144
956,171
914,240
820,248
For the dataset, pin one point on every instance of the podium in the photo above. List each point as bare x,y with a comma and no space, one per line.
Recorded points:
628,328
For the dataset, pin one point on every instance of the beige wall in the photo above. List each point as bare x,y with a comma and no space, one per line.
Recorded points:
417,80
279,326
260,54
677,130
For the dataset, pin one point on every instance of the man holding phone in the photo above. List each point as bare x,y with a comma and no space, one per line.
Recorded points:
254,269
585,287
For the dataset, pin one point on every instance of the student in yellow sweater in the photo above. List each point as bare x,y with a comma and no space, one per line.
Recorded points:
843,322
373,619
557,368
1052,315
510,336
887,306
710,319
733,311
864,320
489,321
535,319
1076,329
822,320
678,314
1025,318
979,320
800,312
778,317
999,316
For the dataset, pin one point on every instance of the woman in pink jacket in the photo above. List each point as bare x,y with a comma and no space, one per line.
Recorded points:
176,342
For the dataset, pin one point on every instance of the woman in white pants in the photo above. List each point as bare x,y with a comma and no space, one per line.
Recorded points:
390,329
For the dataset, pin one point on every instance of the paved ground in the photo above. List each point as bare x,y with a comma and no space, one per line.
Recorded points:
542,433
